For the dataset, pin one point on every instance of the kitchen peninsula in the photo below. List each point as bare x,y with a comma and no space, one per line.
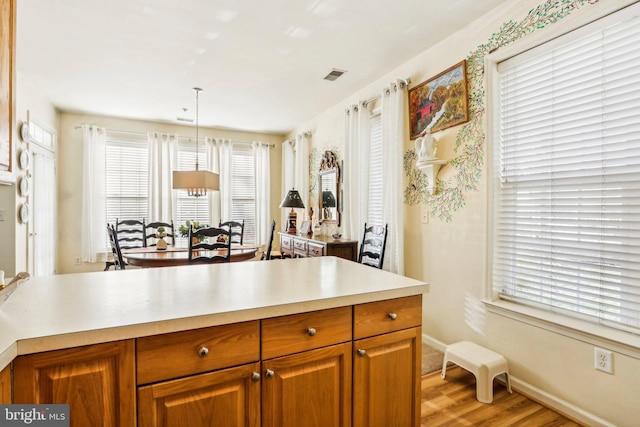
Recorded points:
254,343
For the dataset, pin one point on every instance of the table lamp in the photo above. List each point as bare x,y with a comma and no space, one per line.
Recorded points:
292,200
328,201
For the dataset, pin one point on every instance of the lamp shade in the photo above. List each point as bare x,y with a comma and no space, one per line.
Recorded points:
328,199
292,200
196,182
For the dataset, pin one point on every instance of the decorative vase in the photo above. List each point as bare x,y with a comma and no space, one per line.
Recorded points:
161,244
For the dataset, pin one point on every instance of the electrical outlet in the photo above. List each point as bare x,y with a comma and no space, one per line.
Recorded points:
2,214
78,260
603,360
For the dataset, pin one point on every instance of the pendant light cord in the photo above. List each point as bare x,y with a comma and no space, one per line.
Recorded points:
197,90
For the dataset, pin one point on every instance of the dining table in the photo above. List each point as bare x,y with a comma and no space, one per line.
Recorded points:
179,255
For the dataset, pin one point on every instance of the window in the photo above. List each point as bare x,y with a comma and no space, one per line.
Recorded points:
243,191
190,208
566,232
127,177
374,208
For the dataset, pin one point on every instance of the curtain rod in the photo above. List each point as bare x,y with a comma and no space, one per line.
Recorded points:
406,82
179,137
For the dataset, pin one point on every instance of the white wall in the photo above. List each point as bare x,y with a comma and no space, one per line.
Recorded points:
452,256
70,174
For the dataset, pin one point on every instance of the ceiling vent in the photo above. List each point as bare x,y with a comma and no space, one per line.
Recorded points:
334,74
184,119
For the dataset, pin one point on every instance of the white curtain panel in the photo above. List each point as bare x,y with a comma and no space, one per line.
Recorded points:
394,101
161,164
356,171
288,177
213,164
261,161
94,214
301,183
224,148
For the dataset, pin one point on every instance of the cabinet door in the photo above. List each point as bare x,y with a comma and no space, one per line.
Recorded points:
5,385
386,380
97,381
309,389
226,398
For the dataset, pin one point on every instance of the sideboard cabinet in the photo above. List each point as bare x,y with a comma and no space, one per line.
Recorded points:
296,246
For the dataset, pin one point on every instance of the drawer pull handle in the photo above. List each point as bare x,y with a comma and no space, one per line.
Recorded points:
362,352
203,351
311,332
269,373
255,377
393,316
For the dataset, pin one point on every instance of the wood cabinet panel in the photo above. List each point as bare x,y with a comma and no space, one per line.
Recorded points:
5,385
226,398
386,380
309,389
97,381
381,317
290,334
178,354
7,81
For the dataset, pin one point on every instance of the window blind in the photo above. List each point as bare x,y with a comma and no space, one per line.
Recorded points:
243,191
190,208
127,177
374,208
567,193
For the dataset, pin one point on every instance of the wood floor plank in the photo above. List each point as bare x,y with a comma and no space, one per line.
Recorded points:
452,402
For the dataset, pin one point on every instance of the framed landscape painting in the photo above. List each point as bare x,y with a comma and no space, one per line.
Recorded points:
440,102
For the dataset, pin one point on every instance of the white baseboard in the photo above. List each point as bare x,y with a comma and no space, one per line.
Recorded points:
547,399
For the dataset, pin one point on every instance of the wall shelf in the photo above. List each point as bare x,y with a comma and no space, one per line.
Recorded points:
430,168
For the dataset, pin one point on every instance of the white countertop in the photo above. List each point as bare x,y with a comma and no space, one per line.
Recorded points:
68,310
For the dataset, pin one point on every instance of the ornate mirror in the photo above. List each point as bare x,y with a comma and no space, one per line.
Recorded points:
329,188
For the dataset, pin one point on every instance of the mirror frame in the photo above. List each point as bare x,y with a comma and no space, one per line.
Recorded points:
329,165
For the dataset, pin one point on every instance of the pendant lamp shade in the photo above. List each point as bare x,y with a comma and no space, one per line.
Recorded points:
197,182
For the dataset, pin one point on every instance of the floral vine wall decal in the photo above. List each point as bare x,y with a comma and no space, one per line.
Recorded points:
470,139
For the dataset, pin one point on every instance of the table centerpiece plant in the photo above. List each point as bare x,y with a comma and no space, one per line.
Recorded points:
195,225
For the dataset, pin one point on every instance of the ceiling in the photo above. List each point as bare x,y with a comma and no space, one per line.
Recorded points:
261,63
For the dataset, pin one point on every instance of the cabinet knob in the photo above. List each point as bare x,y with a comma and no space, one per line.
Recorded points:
311,332
393,316
255,377
203,351
362,352
269,373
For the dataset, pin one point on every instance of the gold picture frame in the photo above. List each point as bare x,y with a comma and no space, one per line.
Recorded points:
439,102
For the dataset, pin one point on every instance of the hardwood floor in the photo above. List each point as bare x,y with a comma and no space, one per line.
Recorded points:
452,402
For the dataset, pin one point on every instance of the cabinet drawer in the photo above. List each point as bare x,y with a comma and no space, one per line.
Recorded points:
178,354
381,317
286,243
300,247
306,331
316,250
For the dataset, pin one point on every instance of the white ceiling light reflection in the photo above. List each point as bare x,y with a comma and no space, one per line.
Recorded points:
226,15
200,50
211,35
298,33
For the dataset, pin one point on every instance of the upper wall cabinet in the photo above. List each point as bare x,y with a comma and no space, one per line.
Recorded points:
7,87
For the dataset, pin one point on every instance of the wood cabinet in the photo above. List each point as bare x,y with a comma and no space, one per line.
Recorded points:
225,398
307,369
5,385
97,381
302,247
386,365
7,85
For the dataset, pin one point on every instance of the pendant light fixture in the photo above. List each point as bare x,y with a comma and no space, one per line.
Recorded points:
199,181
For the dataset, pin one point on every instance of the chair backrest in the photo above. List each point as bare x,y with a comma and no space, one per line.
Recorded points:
219,240
118,260
267,255
372,247
151,233
130,233
236,229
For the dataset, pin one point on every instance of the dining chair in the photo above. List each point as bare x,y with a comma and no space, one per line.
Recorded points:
151,233
130,233
236,229
269,253
374,241
219,240
118,260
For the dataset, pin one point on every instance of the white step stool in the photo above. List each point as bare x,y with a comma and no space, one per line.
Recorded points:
482,362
